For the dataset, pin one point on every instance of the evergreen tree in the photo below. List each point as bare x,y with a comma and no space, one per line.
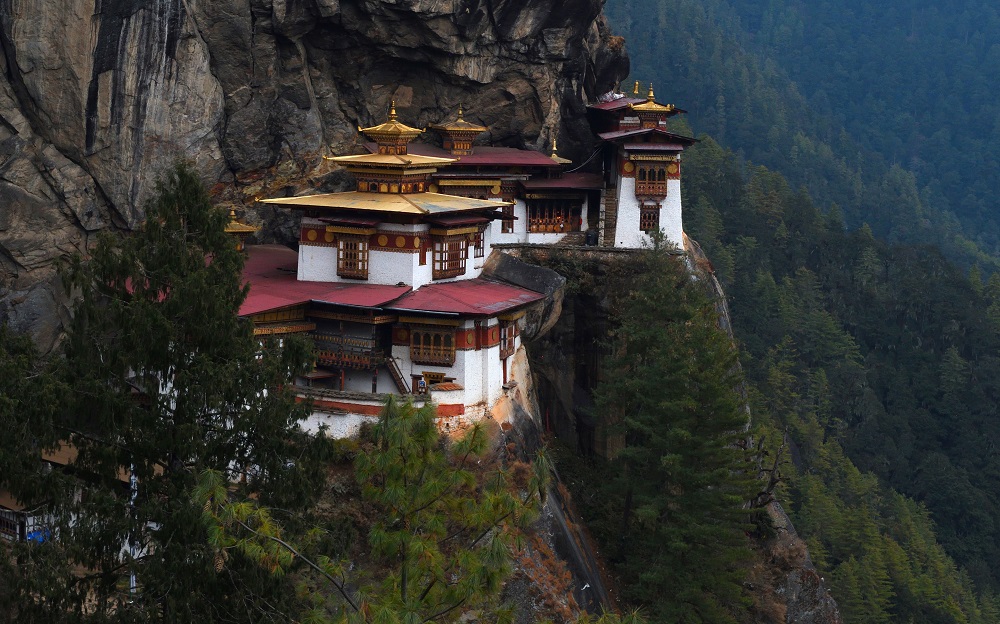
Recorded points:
672,381
446,522
165,381
446,535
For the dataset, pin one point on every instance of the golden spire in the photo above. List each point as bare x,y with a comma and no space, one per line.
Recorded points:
635,89
555,154
649,96
392,111
460,113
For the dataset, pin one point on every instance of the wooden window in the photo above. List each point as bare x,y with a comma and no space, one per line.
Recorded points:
480,241
507,224
432,345
508,333
352,257
450,253
649,217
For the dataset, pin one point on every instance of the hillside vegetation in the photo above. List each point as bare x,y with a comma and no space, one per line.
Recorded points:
880,364
833,99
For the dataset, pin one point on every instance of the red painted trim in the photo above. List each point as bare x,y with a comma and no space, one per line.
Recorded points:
367,410
454,409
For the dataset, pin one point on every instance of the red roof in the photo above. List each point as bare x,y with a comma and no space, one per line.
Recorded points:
579,181
468,297
678,138
270,271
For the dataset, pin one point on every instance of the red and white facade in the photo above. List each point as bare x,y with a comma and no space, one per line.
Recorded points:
387,280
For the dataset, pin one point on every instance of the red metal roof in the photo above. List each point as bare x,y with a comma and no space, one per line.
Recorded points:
270,270
580,181
678,138
467,297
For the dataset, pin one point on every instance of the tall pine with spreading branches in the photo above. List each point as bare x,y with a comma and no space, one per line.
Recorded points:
683,477
164,381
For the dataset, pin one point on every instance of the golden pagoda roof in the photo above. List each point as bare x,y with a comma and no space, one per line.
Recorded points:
400,203
392,160
236,227
391,130
651,105
459,125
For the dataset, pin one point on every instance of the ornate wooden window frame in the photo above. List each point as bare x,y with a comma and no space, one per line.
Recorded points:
352,256
649,216
450,255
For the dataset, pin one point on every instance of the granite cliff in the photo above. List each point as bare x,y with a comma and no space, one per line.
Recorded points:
97,97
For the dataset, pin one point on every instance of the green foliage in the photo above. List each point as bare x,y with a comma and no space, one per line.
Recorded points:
878,361
843,100
162,380
682,480
445,534
446,520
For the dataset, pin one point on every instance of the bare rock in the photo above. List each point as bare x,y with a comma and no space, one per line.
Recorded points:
97,98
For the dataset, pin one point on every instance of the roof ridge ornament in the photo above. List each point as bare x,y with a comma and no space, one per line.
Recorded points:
635,89
649,96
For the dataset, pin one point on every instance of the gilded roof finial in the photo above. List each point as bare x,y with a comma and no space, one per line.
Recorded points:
555,154
649,96
460,113
635,89
392,111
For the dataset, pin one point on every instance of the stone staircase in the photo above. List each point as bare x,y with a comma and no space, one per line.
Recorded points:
610,217
572,239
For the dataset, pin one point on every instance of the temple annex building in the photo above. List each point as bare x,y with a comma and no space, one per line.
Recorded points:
388,278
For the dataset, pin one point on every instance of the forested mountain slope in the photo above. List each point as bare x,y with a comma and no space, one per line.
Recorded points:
879,358
865,118
880,364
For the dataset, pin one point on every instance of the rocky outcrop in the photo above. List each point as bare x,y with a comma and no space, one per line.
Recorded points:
97,97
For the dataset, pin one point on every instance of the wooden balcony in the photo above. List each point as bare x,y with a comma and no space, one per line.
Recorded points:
342,351
442,356
651,189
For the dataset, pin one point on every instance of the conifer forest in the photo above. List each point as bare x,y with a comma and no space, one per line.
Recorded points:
791,414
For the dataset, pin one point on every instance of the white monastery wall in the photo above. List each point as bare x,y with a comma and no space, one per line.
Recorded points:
627,232
317,264
338,425
671,221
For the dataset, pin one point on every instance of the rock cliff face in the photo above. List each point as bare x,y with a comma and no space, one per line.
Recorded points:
97,97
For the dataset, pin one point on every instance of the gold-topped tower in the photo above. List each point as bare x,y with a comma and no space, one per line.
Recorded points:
391,136
651,113
239,230
457,136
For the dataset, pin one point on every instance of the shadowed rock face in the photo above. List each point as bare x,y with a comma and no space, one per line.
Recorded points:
97,97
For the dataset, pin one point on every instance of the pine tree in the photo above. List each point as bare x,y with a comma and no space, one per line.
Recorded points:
673,380
446,521
165,381
446,535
